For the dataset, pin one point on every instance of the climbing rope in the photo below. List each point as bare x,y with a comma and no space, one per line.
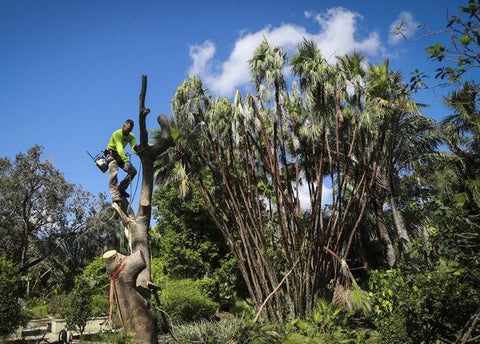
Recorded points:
112,287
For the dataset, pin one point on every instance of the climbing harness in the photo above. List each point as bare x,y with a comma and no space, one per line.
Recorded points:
100,161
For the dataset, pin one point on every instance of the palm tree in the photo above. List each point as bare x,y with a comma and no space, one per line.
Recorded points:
461,132
403,138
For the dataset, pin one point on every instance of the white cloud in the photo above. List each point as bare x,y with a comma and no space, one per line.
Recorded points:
201,55
337,35
406,23
304,197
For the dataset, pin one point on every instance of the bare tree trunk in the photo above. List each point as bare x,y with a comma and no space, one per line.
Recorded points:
384,236
399,224
131,274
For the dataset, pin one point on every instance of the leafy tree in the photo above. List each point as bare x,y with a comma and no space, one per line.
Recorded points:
80,310
11,289
33,193
50,227
457,53
189,244
462,53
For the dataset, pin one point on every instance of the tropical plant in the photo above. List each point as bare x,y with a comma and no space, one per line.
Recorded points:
236,330
328,324
249,160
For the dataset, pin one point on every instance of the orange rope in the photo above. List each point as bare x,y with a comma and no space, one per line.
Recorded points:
112,287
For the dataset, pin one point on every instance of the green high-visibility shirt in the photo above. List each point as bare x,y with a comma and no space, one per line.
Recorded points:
118,141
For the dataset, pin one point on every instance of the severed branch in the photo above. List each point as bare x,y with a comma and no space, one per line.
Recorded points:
166,140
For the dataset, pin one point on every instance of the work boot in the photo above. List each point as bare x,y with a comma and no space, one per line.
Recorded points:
124,194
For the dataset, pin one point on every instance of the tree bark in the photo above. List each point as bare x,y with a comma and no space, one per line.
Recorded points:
399,224
132,286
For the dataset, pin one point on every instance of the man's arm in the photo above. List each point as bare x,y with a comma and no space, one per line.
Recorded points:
133,143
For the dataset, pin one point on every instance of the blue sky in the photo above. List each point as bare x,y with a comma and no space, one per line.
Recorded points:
71,69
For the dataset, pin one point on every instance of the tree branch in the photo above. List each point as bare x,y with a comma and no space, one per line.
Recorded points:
143,112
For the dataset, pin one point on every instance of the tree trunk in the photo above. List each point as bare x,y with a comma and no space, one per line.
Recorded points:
399,224
131,274
384,236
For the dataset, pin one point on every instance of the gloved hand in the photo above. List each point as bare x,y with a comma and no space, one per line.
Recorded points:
127,166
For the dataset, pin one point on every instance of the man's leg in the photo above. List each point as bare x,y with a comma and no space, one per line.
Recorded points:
131,173
113,181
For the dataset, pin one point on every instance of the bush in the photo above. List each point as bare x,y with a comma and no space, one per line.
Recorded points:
329,324
183,301
96,275
39,311
58,305
100,305
393,329
80,310
11,314
432,304
226,331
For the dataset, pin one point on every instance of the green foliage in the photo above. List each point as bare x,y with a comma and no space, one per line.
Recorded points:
100,305
80,310
58,304
459,54
393,329
39,311
190,246
430,303
235,330
243,308
328,324
184,301
11,314
49,227
96,275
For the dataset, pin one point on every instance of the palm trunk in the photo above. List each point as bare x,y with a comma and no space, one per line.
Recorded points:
400,225
384,236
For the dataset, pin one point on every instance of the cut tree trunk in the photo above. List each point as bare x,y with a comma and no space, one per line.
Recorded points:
131,274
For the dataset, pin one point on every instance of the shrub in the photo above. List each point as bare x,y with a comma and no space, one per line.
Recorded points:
184,301
96,275
39,311
329,324
11,314
100,305
226,331
80,309
58,305
433,304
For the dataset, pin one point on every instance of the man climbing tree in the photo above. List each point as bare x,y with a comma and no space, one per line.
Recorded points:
130,275
116,158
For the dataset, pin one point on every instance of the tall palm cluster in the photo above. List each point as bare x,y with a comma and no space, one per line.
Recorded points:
265,162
